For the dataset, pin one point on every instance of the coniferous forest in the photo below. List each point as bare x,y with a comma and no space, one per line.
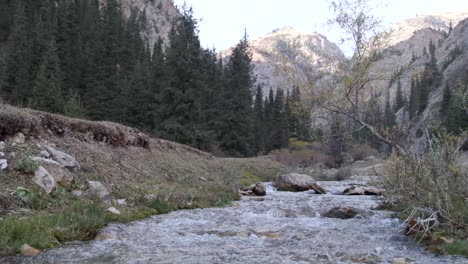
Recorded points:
77,59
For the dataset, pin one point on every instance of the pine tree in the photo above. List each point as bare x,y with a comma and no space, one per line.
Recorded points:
399,98
237,135
48,88
280,129
414,98
388,112
18,85
446,99
259,121
268,108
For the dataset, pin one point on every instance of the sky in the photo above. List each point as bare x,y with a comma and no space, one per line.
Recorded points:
223,21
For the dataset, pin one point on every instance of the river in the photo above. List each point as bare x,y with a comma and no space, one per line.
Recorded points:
281,227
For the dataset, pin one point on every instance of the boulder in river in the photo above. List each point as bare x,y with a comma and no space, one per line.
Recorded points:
296,182
342,213
257,189
362,190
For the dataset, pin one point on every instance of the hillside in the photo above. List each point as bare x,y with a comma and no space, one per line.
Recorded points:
142,175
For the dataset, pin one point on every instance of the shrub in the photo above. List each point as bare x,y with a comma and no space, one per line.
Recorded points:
27,165
434,182
362,151
342,174
302,158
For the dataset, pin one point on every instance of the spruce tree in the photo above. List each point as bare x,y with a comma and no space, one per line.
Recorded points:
48,87
237,133
399,98
259,121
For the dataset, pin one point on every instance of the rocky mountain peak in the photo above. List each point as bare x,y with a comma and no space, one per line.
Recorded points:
403,30
273,51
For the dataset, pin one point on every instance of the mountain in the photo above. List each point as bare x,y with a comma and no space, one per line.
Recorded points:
274,53
403,30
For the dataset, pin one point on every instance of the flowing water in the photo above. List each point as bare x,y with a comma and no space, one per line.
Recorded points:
281,227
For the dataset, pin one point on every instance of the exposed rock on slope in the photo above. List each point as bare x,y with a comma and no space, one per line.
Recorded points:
159,16
273,54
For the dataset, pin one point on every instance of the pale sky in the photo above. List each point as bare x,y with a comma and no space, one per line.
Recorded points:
223,21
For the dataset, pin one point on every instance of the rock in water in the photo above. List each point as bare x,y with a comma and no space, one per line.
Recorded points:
97,188
27,250
296,182
361,190
257,189
342,213
43,178
64,159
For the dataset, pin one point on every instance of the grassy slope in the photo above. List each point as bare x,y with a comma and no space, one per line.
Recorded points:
155,176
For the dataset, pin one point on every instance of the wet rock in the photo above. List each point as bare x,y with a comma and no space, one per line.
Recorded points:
61,175
342,213
296,182
113,210
43,178
19,138
103,236
98,189
257,189
402,261
361,190
366,259
234,204
3,164
27,250
64,159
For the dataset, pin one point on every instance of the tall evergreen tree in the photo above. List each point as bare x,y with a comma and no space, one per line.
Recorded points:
48,88
259,121
399,98
237,134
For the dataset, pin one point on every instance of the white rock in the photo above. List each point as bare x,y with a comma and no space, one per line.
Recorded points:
122,202
47,161
113,210
43,178
63,158
3,164
45,154
77,193
101,191
19,138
